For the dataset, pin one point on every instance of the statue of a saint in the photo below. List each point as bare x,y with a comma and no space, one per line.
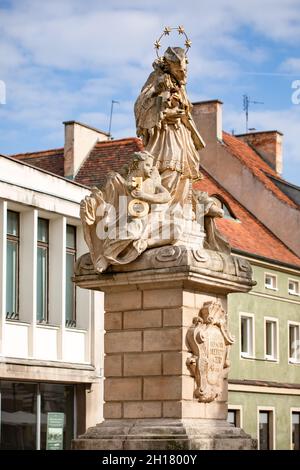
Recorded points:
145,205
164,122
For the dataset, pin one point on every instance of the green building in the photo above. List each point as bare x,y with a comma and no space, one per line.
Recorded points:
264,382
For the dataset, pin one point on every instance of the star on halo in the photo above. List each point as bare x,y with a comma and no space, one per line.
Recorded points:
180,29
167,31
188,43
157,45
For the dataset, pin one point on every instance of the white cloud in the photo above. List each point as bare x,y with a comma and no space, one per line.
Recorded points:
67,59
291,65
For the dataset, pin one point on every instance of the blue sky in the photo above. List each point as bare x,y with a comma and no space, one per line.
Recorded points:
67,59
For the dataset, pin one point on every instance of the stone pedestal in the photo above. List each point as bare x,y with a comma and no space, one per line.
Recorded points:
149,394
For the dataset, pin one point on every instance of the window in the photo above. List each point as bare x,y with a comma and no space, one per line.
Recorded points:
247,335
271,339
294,342
270,282
12,266
42,270
70,286
296,430
265,435
234,417
228,214
294,287
24,409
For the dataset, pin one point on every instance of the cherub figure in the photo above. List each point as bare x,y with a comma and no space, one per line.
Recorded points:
115,236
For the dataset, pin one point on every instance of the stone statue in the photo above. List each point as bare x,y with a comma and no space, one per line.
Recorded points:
151,202
164,122
128,216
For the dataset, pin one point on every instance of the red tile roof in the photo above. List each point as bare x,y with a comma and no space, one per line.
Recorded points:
256,165
247,233
49,160
106,156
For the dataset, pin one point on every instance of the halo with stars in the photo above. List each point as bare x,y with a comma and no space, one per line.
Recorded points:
166,32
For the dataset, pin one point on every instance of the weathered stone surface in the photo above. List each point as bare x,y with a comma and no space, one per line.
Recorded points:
142,409
205,270
164,434
167,339
113,321
113,365
122,389
123,341
142,364
143,319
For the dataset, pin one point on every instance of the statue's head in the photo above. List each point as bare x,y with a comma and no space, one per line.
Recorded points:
141,164
176,62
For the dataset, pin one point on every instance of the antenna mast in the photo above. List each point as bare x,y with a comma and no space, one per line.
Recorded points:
246,104
111,113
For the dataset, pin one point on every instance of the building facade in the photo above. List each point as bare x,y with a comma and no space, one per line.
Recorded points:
50,332
264,382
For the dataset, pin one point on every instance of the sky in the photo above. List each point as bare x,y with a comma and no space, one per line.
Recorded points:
68,59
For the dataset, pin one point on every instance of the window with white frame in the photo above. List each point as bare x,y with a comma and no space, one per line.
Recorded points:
265,430
42,270
70,286
271,332
247,335
294,287
294,342
12,266
270,281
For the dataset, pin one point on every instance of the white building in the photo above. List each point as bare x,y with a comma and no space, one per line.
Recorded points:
50,331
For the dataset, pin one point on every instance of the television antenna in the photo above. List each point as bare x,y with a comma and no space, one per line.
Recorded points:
246,105
111,113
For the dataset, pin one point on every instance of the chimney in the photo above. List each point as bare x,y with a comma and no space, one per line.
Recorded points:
80,139
268,144
208,119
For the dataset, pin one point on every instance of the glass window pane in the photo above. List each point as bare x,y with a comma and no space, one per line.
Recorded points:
60,399
13,223
244,326
231,417
70,287
264,431
269,339
296,431
43,230
11,276
247,335
41,284
71,237
294,345
18,416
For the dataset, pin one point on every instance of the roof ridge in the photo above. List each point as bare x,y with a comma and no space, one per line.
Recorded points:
37,153
111,142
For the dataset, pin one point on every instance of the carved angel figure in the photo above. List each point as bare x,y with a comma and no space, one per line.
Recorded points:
111,233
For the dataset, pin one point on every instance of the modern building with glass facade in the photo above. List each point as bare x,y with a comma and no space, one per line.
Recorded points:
50,331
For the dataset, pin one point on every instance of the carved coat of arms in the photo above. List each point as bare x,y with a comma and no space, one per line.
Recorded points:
208,340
